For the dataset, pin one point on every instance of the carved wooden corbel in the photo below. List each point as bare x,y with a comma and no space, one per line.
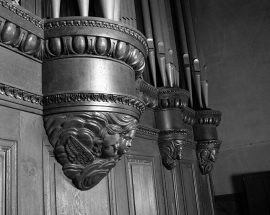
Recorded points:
171,151
174,120
89,144
91,109
205,133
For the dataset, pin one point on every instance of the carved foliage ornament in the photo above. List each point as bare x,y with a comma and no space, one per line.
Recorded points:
88,145
171,151
207,153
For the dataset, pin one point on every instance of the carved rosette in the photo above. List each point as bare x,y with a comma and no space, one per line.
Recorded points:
205,133
90,104
175,121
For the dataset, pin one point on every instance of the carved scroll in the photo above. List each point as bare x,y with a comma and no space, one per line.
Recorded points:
88,145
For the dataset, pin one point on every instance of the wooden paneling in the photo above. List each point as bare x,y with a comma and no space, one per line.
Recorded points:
186,186
142,186
207,194
19,71
118,189
189,188
30,166
8,177
62,198
9,123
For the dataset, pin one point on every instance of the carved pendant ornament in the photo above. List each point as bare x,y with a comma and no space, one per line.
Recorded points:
171,151
88,145
207,153
205,133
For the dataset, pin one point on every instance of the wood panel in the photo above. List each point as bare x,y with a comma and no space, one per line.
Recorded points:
8,177
142,186
62,198
30,166
186,186
20,71
118,189
207,194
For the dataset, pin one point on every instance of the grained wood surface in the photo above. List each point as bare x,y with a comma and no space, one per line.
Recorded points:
142,186
70,200
8,176
30,164
20,71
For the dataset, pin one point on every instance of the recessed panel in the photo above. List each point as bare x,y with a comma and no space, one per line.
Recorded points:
142,187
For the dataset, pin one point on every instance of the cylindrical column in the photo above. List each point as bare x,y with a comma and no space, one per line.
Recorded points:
56,8
83,7
107,8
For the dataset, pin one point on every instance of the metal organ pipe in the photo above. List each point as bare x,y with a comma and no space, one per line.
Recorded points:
149,38
167,43
83,7
184,48
158,38
193,49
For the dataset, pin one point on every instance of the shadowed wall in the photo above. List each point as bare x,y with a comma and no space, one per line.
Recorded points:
234,39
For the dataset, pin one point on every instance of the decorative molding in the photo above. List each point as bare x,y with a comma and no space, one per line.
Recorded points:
147,130
88,145
97,46
22,13
184,132
99,23
148,93
188,119
9,175
18,38
206,143
148,88
94,97
170,90
207,153
176,98
208,117
171,151
19,94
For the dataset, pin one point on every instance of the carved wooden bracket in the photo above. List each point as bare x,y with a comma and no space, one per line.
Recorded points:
171,151
90,105
207,152
175,122
89,144
205,133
